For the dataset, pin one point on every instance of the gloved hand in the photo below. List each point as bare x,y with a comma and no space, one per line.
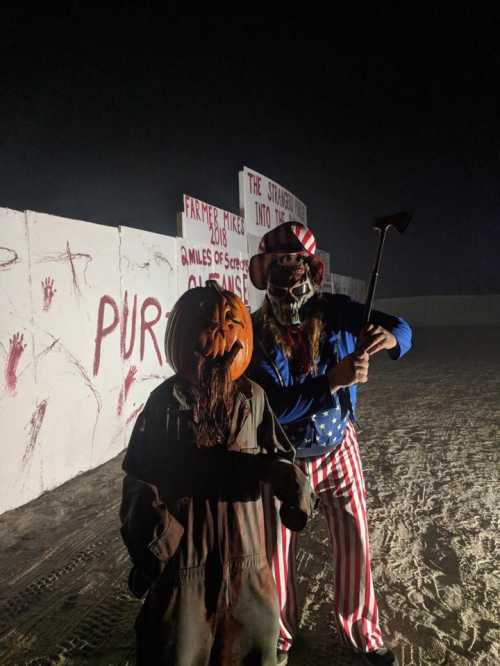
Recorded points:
292,487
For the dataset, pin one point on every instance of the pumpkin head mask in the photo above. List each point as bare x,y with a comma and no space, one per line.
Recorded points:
209,325
209,342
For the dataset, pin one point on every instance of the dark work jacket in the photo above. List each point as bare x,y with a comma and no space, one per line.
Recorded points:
192,519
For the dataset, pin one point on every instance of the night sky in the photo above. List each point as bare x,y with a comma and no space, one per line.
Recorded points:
110,115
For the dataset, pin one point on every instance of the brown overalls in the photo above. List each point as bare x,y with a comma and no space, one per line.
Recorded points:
192,520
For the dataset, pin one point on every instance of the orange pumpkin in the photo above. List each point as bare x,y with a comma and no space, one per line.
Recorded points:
208,322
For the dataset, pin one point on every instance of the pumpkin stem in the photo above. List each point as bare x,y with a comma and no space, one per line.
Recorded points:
214,285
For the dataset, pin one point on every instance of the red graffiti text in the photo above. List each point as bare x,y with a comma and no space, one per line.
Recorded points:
109,316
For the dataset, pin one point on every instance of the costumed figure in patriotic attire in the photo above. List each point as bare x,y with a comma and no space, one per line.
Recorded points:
310,353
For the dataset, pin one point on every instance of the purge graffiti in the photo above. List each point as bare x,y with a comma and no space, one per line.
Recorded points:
125,322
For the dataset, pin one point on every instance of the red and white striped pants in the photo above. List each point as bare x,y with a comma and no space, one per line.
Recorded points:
337,478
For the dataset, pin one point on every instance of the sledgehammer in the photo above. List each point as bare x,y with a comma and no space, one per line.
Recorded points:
399,221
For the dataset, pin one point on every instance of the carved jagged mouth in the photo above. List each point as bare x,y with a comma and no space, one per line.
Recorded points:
225,360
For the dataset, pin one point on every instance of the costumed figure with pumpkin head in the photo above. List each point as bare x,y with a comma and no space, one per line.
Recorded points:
192,513
310,353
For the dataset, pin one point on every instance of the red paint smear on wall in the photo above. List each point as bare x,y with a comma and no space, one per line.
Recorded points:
129,380
17,347
35,425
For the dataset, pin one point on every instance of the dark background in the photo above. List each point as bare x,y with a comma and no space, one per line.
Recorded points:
109,115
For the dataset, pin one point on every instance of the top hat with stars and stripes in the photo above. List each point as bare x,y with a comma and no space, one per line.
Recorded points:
289,238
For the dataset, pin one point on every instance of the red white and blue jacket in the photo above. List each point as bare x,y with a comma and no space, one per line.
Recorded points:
314,418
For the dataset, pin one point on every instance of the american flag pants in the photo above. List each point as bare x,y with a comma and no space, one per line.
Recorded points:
337,479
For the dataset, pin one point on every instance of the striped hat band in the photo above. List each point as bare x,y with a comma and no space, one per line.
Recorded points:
287,238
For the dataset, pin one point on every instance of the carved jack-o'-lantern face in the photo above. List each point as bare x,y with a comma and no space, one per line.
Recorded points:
209,324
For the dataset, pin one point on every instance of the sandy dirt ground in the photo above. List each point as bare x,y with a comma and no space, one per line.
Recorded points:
429,430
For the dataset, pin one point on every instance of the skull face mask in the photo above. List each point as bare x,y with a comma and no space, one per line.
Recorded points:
289,286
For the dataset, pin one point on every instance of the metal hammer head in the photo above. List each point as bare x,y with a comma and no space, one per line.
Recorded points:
399,221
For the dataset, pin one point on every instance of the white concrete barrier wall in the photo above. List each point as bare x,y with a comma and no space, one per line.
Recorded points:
71,265
81,340
480,310
22,404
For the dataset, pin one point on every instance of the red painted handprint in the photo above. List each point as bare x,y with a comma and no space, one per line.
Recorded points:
48,292
17,347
